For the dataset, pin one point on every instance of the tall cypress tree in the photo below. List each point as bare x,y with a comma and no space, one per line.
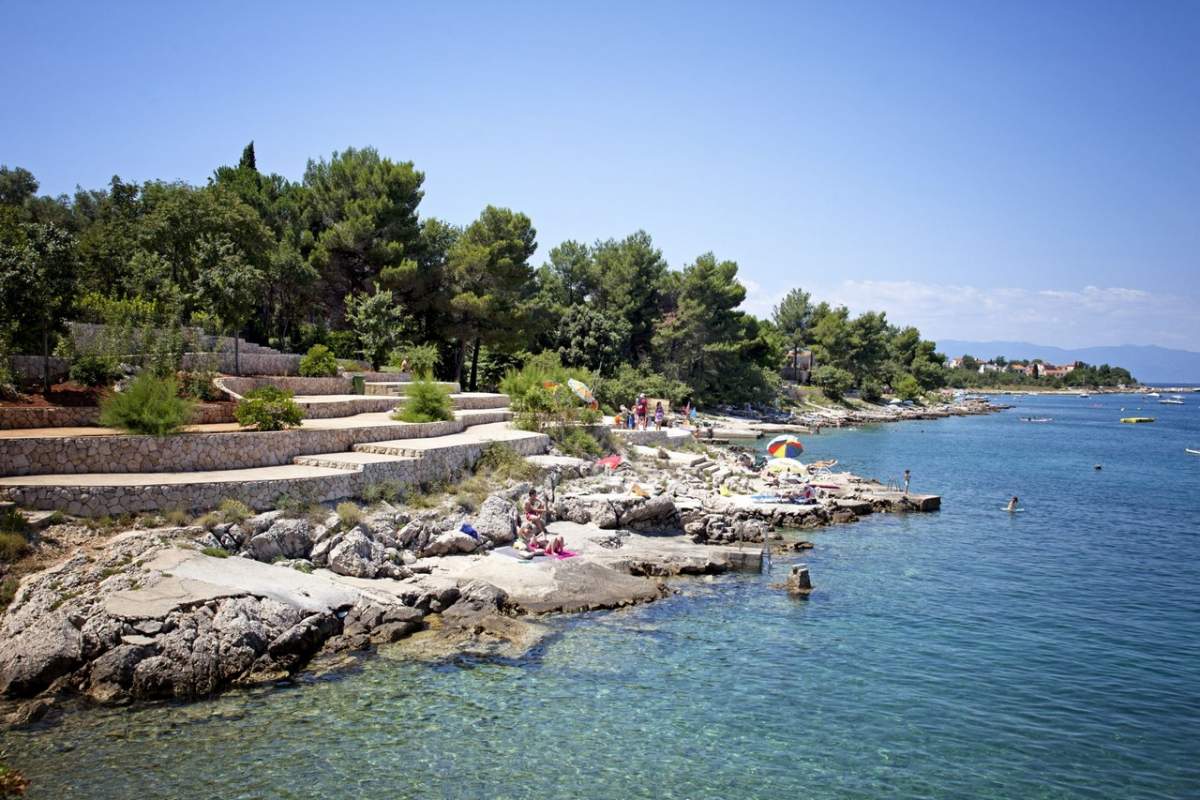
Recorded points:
247,161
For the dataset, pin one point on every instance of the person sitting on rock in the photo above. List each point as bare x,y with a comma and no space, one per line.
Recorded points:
535,512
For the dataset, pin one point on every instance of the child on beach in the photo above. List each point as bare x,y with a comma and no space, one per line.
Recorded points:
659,415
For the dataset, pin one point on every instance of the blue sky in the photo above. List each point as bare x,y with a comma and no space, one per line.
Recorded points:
983,170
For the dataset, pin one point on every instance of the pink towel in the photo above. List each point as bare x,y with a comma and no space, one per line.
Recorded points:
565,554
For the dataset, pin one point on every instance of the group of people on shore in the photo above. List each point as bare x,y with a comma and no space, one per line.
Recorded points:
640,416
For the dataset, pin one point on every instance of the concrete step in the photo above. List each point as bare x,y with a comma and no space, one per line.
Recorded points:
477,400
483,416
476,436
397,387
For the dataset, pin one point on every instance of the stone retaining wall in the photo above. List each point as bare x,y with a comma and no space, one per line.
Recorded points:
252,363
347,408
29,368
341,384
240,385
95,501
15,418
48,417
191,452
480,402
652,437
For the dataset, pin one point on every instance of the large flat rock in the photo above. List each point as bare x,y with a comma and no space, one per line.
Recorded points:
544,584
188,577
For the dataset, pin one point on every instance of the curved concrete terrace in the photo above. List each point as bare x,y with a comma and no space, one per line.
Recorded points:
316,478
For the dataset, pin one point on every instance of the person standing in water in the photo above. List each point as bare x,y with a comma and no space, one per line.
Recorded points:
907,476
1012,505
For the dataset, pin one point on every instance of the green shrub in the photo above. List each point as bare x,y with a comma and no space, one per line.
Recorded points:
383,492
268,409
344,344
176,517
319,362
216,552
13,546
199,385
297,505
834,381
503,463
8,384
422,358
536,373
577,442
907,388
8,590
232,510
425,401
94,369
13,521
871,391
527,421
349,515
149,405
539,394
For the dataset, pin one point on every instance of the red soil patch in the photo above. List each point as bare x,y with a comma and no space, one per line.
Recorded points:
60,394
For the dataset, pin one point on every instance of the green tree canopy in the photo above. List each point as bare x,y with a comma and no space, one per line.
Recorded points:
490,280
361,213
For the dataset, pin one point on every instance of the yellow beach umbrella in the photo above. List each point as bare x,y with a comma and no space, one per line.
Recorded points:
785,465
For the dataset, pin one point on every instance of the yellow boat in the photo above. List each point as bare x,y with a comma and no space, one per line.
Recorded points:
1136,420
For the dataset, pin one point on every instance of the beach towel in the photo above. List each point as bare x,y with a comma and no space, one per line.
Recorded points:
611,462
565,554
519,555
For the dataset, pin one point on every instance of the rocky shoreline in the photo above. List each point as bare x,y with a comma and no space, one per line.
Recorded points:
811,418
184,612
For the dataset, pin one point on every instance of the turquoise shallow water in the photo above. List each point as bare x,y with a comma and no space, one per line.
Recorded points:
969,653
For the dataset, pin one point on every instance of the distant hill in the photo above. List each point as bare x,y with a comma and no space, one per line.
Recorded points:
1148,363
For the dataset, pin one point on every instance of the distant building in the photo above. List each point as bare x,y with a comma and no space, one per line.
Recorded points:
988,366
798,366
1051,371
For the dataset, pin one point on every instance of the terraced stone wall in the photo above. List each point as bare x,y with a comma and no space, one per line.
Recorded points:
84,416
191,452
95,501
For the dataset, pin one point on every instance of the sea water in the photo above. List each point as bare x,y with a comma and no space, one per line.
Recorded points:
968,653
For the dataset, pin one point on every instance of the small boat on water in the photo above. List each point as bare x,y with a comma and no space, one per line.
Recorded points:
1136,420
1153,394
1192,451
1170,402
1037,419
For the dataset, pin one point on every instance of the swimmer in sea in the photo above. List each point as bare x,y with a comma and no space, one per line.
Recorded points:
1012,504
